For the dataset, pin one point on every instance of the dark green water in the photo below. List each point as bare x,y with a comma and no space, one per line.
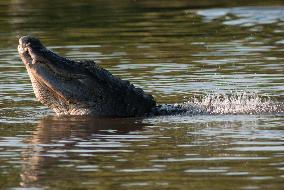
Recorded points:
175,51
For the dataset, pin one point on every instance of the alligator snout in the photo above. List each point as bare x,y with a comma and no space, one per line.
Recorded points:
24,40
22,47
29,41
28,48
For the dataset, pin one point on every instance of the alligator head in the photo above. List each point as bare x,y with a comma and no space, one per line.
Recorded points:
80,87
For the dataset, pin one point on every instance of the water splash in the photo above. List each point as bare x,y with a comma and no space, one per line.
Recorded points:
224,104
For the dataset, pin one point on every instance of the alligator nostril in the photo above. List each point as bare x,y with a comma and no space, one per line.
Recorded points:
29,41
24,40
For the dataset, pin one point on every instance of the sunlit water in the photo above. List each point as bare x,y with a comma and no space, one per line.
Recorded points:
224,64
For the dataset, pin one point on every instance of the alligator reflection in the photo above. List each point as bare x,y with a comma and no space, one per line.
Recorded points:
56,136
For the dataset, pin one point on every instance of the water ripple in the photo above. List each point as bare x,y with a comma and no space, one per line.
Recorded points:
244,16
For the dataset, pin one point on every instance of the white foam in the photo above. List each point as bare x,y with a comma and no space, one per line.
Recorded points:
237,103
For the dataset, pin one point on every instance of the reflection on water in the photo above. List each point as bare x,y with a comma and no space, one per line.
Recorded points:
68,139
157,152
222,56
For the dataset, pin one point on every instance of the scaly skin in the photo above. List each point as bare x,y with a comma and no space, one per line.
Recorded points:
80,87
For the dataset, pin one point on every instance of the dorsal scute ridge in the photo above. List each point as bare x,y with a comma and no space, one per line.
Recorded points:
115,82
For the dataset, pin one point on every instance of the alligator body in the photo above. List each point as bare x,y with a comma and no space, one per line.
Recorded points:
82,87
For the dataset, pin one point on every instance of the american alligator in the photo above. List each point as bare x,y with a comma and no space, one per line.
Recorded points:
83,87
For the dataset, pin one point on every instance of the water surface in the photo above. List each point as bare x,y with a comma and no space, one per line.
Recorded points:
177,51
